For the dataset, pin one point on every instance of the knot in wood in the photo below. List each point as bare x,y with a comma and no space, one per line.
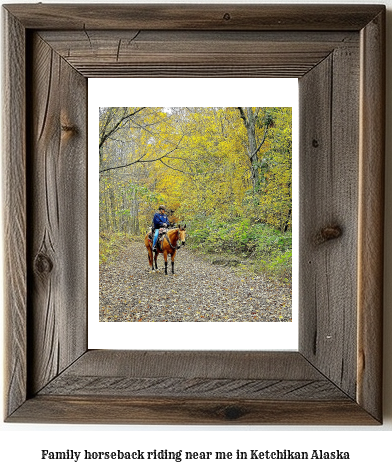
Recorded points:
232,412
68,128
43,264
227,16
328,233
315,143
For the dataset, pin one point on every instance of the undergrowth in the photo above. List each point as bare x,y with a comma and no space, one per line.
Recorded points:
254,247
112,244
241,243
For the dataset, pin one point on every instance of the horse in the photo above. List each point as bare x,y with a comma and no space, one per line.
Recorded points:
169,245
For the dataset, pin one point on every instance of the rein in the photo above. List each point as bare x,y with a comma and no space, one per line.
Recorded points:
167,238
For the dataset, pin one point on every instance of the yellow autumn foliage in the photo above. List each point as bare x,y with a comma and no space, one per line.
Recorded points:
196,162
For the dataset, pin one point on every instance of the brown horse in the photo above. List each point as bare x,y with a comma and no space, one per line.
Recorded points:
169,245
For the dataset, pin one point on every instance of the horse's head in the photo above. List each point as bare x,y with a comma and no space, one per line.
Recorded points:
182,231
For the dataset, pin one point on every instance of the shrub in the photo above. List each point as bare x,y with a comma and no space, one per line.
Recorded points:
111,244
265,249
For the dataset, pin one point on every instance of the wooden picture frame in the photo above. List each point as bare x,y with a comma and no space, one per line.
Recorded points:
337,52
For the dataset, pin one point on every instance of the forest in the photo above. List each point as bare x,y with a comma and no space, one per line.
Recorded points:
224,171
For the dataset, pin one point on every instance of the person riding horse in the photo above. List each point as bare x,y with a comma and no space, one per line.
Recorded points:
160,220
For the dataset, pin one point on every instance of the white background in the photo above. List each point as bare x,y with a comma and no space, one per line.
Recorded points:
369,447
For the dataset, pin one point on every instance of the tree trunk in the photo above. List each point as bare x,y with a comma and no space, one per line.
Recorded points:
252,148
113,210
249,117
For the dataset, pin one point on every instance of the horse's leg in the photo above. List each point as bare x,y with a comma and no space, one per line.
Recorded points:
155,260
165,257
172,261
150,259
149,254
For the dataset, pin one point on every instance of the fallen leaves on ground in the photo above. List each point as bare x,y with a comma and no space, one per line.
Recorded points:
197,292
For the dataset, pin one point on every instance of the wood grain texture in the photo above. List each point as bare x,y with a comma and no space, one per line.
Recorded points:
207,364
371,216
205,374
57,212
129,53
192,387
14,208
195,17
103,409
336,376
329,98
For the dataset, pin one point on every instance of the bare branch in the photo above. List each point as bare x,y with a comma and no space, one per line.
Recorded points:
105,136
140,160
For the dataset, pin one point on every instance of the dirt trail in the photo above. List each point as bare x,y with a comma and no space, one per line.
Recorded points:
198,291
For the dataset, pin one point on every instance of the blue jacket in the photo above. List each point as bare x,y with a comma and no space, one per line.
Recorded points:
159,220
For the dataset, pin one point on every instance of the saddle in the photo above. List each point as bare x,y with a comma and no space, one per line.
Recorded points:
161,235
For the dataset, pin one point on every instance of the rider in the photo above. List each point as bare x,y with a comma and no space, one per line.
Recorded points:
160,220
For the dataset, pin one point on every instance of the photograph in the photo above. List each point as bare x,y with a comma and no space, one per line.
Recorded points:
195,214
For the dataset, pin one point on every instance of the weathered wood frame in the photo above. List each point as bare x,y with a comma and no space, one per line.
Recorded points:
337,52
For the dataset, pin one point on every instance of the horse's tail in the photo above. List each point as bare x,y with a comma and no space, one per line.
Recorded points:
147,241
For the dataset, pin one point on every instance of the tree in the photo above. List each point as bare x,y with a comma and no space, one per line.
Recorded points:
257,122
210,175
112,120
201,162
276,192
125,126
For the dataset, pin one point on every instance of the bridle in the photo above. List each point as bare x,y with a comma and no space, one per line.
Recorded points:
168,240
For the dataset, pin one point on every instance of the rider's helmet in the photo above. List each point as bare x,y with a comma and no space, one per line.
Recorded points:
161,207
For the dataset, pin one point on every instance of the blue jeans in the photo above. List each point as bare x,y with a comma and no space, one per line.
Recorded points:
156,233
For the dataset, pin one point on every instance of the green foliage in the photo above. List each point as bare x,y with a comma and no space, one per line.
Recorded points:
276,192
110,245
259,247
